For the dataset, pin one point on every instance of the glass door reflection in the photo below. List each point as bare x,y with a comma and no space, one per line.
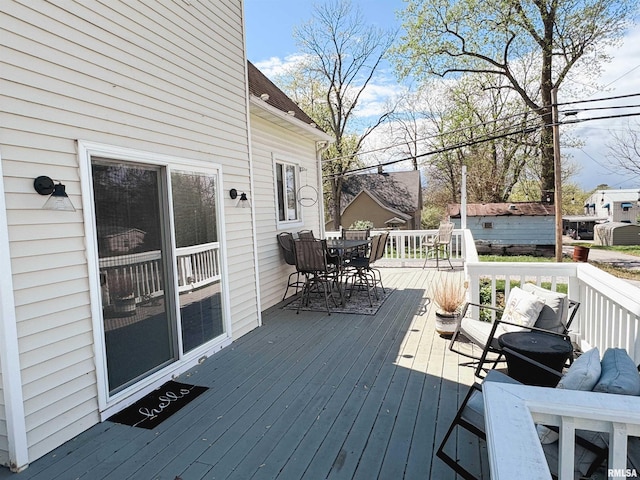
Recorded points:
198,257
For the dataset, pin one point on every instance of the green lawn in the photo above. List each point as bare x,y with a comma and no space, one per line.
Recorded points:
518,258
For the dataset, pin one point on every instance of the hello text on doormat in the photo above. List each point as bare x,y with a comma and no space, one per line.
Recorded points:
157,406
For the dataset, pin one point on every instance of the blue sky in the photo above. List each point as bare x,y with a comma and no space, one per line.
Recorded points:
270,44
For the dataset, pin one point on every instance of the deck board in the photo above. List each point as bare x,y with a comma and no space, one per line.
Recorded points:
305,396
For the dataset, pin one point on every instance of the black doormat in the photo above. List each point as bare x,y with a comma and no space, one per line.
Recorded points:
157,406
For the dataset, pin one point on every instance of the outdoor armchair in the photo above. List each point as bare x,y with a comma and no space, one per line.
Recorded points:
528,308
590,450
439,245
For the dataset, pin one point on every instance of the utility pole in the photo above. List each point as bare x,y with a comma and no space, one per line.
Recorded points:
557,173
463,199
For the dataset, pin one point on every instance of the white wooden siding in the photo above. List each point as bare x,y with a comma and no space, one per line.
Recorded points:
165,77
268,140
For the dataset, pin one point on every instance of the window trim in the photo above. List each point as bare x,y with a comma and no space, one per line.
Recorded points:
278,160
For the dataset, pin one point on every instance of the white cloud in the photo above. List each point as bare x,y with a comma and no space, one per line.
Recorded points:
275,66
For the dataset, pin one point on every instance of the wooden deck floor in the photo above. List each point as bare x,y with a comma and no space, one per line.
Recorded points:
306,396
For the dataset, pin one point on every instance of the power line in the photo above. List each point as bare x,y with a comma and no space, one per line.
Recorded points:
503,119
472,143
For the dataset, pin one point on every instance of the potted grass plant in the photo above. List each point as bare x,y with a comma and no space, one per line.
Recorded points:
449,295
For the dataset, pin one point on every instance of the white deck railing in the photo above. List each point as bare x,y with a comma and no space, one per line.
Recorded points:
407,248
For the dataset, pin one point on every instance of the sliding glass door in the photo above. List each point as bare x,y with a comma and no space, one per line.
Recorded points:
159,261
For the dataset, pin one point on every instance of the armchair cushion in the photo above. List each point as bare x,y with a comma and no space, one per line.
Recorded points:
619,373
521,308
583,373
553,316
478,332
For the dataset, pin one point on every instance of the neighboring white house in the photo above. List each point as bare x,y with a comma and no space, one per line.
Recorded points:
509,228
142,110
614,205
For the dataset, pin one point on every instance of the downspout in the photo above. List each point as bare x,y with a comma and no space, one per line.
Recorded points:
251,173
320,148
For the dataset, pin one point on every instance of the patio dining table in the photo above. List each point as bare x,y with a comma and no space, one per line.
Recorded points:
342,248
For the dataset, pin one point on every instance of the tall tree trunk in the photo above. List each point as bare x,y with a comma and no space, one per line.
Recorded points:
336,186
547,173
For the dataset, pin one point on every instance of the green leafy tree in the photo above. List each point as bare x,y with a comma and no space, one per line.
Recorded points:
517,40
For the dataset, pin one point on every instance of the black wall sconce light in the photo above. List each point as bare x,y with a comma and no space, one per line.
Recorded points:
58,199
243,202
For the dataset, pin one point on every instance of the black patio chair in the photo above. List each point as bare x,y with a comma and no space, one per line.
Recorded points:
360,273
351,234
306,235
320,276
382,245
285,240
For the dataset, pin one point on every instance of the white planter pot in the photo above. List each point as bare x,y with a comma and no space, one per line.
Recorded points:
446,323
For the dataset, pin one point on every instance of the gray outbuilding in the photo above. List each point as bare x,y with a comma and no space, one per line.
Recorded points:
616,233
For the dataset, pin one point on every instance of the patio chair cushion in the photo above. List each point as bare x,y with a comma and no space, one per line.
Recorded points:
521,308
478,331
584,372
619,373
553,316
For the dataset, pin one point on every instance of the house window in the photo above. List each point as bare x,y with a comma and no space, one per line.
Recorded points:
286,189
487,225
